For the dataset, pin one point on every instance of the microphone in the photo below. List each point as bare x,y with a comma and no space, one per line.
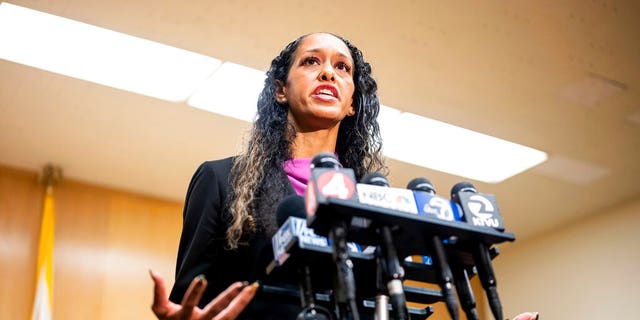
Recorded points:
429,204
290,206
288,209
442,208
424,194
465,293
393,270
481,210
290,216
421,184
328,180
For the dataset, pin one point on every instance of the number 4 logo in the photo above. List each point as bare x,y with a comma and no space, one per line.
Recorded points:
335,184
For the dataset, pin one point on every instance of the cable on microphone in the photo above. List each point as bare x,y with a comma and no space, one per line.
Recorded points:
445,275
391,265
293,206
480,252
346,288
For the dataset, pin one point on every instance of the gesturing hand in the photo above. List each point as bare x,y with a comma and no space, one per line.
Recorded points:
226,306
527,316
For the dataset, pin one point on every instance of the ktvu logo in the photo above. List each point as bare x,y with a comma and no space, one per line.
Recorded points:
482,210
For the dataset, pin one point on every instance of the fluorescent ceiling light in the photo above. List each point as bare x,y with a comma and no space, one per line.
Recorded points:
232,91
443,147
99,55
153,69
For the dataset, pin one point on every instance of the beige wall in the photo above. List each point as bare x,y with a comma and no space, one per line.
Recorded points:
587,270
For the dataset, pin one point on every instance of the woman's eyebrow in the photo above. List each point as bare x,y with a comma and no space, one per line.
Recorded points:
316,50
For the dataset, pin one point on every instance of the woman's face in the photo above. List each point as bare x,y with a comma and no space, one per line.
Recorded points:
319,88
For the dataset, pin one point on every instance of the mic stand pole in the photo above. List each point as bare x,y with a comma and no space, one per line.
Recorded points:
382,300
394,275
310,311
445,276
487,278
346,291
463,287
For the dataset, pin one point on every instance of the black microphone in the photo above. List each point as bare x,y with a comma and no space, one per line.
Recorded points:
293,206
445,275
460,276
393,270
480,210
328,180
421,184
290,206
325,160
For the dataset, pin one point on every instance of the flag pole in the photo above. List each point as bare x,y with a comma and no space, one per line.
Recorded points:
43,299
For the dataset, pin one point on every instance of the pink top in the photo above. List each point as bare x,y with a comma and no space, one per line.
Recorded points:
298,171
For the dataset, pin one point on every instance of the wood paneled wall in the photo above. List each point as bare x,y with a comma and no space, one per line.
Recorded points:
105,242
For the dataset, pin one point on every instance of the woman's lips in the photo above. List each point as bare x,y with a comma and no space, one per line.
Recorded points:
326,93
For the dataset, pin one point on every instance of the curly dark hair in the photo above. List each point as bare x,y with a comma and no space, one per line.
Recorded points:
257,178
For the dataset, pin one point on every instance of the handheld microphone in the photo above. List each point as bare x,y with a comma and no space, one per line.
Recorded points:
289,208
328,180
424,192
391,265
481,210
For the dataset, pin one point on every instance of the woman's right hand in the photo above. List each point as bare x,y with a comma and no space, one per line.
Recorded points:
527,316
226,306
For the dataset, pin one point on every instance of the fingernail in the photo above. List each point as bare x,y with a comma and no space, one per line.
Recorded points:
242,285
254,286
537,315
201,278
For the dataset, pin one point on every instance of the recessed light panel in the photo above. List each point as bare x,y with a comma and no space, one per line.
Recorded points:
232,91
444,147
99,55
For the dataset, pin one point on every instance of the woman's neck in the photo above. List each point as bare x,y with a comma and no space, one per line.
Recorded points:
308,144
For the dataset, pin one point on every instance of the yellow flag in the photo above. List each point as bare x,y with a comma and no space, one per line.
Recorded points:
43,301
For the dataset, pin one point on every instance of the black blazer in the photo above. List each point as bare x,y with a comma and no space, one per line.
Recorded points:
202,243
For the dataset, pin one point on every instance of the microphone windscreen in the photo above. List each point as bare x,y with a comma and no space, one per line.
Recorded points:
376,179
325,160
421,184
290,206
462,186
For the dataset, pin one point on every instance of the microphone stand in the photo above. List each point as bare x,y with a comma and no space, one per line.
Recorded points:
394,275
382,299
346,291
445,276
310,310
487,278
463,287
